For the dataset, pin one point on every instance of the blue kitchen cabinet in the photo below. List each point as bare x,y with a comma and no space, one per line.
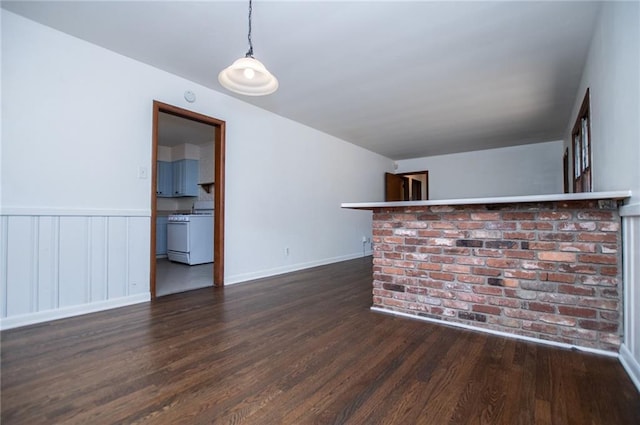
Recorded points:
185,177
164,188
161,236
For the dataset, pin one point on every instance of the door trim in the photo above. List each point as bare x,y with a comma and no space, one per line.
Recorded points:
218,188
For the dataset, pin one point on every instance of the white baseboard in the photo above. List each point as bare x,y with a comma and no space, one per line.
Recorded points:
45,316
230,280
498,333
631,365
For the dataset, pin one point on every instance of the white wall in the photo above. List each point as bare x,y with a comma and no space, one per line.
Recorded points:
612,73
520,170
77,122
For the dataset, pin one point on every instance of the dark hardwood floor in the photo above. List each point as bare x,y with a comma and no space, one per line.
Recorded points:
301,348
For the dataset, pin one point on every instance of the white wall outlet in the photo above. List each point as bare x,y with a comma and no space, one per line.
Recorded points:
142,172
364,239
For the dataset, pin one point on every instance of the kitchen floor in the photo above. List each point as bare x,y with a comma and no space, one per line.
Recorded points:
173,277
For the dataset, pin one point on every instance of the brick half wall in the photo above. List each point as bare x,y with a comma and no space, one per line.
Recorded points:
549,270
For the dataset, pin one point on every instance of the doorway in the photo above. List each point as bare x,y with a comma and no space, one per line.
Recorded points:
217,187
412,186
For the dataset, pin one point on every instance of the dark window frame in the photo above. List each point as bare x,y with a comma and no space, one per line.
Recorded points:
581,142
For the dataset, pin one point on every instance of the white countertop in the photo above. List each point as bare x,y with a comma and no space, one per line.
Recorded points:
585,196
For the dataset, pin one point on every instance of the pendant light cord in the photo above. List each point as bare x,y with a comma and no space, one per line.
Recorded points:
250,51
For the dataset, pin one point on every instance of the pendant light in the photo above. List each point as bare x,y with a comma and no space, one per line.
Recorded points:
248,75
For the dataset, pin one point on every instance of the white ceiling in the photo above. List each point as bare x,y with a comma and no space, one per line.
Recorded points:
173,131
404,79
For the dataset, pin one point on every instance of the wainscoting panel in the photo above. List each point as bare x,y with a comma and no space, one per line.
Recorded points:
56,266
630,349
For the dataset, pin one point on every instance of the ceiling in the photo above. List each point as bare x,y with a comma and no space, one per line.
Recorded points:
403,79
173,131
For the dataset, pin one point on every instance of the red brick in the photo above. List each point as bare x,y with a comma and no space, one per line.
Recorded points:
416,225
546,246
577,247
393,255
598,258
609,271
577,268
485,216
459,305
404,264
519,216
557,320
579,333
428,266
441,242
442,259
412,256
456,251
598,280
609,227
553,236
542,307
428,217
488,290
502,263
554,215
558,298
442,276
472,261
540,327
486,272
598,237
456,268
520,314
393,240
469,225
561,277
424,233
458,216
488,252
393,302
429,250
505,302
601,304
577,311
428,283
501,225
404,248
519,235
472,297
442,225
524,255
595,215
537,265
576,226
392,270
486,234
520,274
567,257
403,217
442,294
609,248
471,279
457,234
487,309
598,325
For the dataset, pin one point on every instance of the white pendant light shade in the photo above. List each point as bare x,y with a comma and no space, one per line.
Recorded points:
248,76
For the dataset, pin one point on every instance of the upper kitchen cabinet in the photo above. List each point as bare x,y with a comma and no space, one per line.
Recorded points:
185,177
164,187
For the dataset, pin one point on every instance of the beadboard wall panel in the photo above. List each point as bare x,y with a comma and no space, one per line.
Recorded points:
630,349
56,266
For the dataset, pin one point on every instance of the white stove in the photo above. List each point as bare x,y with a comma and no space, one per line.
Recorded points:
190,236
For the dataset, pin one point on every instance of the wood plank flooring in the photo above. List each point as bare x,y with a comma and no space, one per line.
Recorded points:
301,348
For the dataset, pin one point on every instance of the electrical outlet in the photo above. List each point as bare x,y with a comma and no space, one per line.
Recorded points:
142,172
364,239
